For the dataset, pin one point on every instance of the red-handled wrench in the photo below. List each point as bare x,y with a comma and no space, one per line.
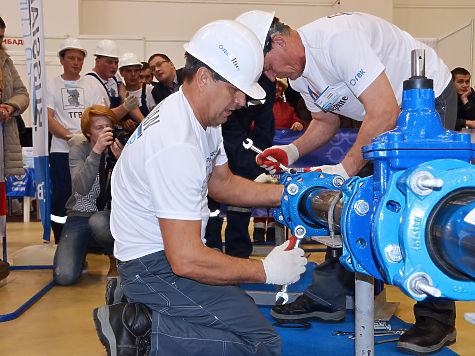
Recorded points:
282,297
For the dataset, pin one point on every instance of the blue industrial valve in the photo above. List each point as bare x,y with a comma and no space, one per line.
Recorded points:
411,224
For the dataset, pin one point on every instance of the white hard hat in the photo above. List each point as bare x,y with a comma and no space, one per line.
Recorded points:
107,48
232,51
72,43
129,59
258,22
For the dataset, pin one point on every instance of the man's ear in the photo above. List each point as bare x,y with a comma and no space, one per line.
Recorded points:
278,41
202,77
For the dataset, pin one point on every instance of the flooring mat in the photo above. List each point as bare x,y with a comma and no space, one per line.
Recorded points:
318,339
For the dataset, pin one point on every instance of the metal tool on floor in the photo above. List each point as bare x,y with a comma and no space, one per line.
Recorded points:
249,145
387,340
351,334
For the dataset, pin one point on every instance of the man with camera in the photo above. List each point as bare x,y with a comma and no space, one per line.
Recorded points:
87,222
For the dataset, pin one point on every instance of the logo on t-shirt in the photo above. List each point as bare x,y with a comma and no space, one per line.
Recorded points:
150,120
336,106
357,77
73,98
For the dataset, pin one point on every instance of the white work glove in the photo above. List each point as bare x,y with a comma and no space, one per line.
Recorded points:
272,156
284,267
330,169
131,102
75,139
266,178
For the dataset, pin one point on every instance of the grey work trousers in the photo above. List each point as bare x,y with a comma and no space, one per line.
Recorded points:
192,318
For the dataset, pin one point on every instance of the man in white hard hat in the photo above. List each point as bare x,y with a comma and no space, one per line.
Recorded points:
352,64
104,76
159,215
129,68
67,97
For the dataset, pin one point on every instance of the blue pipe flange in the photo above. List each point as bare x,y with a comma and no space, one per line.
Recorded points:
356,220
404,223
296,186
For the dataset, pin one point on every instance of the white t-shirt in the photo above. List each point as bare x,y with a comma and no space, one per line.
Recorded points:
346,52
68,99
110,84
163,172
148,96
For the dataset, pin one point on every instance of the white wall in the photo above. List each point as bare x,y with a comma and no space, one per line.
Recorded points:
149,26
437,18
168,24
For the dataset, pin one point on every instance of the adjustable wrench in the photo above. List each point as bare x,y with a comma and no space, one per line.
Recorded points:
248,144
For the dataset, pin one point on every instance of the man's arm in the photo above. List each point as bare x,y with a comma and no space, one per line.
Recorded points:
321,130
228,188
382,111
55,127
189,258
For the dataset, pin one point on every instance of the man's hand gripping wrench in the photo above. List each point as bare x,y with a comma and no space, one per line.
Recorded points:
249,145
282,296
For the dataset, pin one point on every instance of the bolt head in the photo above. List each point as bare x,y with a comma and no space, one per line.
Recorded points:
361,207
338,181
292,189
393,253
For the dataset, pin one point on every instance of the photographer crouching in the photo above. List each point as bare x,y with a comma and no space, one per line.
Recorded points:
88,208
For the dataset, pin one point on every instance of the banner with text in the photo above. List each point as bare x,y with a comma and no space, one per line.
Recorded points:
32,25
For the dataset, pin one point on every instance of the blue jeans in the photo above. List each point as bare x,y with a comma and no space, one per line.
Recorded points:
191,318
76,237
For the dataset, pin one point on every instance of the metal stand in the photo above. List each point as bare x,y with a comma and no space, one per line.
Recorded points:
364,315
38,295
29,303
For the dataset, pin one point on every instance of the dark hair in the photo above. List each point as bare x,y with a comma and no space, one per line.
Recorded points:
276,28
459,71
144,66
192,64
164,56
2,24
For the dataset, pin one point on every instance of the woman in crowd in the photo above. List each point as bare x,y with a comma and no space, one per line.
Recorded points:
13,101
87,223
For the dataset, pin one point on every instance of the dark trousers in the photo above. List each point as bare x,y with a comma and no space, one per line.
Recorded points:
60,189
214,226
192,318
238,241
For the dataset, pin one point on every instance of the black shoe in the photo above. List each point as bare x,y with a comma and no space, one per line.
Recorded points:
124,329
427,336
258,235
4,269
303,308
114,292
